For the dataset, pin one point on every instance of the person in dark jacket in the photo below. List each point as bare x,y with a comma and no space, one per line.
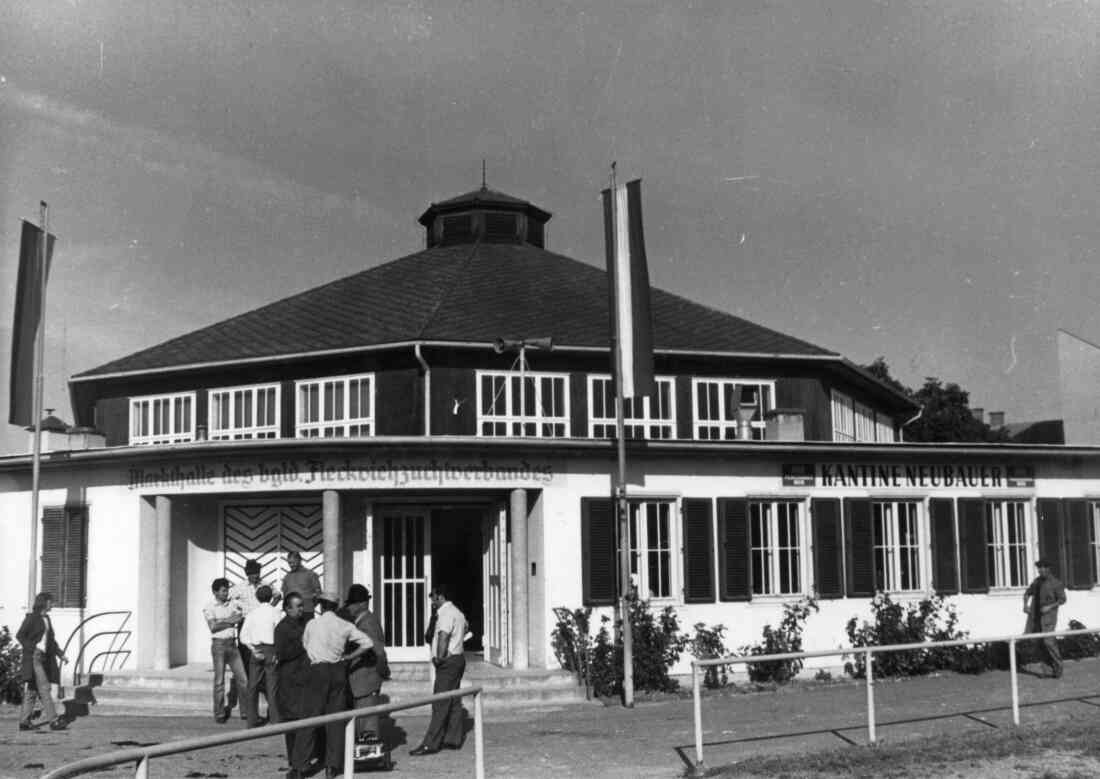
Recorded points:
365,675
40,664
294,695
1041,601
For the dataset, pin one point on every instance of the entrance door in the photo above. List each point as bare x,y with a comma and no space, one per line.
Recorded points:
404,579
496,588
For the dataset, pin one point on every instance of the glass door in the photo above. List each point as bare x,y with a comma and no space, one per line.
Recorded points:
402,536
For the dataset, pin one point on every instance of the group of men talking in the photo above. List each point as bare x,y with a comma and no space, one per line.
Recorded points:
315,656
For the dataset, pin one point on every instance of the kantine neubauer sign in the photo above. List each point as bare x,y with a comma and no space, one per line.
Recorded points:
907,476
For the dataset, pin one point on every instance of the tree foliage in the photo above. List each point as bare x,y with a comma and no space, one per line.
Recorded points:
946,415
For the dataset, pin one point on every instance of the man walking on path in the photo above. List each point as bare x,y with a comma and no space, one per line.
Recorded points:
1041,601
39,668
302,581
445,729
222,617
325,639
258,634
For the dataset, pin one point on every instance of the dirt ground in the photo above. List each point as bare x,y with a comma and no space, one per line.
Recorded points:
812,730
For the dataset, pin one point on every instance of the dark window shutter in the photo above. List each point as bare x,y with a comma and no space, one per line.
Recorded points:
733,530
1079,572
972,545
1051,521
698,551
859,547
945,572
598,551
828,547
53,551
73,587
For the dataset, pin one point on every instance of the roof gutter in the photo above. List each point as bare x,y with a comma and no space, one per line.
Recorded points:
427,388
450,344
914,418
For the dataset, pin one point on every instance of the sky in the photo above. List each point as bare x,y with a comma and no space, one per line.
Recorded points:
905,179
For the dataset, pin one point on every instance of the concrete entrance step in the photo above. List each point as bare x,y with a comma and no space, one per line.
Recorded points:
186,690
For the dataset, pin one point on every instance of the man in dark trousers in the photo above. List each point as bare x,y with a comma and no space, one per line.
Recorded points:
295,694
40,664
1041,601
445,729
326,638
365,675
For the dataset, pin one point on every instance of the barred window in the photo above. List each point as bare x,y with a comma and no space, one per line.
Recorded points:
338,407
1007,542
774,539
162,419
244,412
652,417
651,534
896,533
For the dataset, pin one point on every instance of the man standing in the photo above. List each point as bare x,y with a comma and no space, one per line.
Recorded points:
258,635
365,675
295,694
445,729
222,617
302,581
1041,601
245,594
325,639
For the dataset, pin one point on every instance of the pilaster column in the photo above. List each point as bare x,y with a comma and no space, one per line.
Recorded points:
517,517
332,542
162,584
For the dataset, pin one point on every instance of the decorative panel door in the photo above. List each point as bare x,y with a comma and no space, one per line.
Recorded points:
266,532
495,568
402,538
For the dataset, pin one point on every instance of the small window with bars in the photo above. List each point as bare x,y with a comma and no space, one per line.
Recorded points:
337,407
534,405
244,412
774,539
896,537
162,419
1007,542
651,417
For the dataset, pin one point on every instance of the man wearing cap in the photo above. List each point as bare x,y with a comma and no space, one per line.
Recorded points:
1041,601
365,675
325,639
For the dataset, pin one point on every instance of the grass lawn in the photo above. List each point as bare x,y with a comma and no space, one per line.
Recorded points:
1068,749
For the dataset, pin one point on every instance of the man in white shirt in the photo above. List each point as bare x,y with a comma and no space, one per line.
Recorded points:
245,594
222,617
445,729
325,638
258,634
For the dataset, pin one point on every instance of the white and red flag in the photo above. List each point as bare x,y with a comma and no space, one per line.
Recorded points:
628,277
28,322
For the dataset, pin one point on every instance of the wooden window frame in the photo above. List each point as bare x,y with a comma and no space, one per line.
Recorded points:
343,426
726,427
516,425
238,429
639,421
146,406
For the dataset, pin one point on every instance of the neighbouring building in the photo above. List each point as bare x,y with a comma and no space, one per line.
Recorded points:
377,425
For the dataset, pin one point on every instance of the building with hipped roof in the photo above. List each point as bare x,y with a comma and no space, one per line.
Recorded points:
383,426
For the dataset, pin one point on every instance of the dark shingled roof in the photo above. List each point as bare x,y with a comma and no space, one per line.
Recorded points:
459,293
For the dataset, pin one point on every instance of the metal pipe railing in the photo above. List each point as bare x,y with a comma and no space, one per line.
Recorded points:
868,652
144,755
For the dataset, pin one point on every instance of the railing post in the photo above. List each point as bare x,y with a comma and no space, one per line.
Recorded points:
1015,683
697,704
870,676
349,749
142,770
479,738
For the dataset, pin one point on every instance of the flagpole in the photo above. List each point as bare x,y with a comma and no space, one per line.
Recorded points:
39,356
622,507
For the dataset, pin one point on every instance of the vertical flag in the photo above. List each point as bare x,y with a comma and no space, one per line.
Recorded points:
628,278
28,321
